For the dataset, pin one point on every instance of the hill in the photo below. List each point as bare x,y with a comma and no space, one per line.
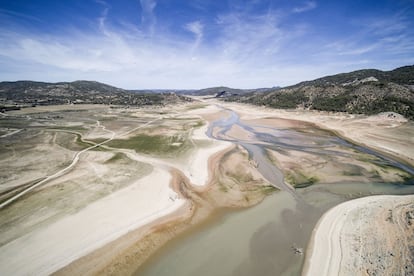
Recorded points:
223,91
86,92
364,91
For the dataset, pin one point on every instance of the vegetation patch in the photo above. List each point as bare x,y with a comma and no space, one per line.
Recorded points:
117,157
267,190
98,140
288,100
69,128
68,141
353,170
222,187
240,177
13,123
336,103
153,144
196,106
300,180
393,104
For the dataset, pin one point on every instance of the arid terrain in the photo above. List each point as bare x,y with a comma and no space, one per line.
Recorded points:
128,172
94,189
229,138
366,236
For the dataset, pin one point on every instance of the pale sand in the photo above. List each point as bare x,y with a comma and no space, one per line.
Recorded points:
112,217
52,247
394,136
126,254
47,249
365,236
196,168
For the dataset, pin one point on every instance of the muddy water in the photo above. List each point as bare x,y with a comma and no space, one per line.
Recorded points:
262,240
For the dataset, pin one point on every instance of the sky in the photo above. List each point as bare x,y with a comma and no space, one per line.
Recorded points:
192,44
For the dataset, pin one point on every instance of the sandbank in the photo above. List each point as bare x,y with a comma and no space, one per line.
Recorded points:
371,235
388,134
45,250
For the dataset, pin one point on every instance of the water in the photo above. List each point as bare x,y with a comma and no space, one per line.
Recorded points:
261,240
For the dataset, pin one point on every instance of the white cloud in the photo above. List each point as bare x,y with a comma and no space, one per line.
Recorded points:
384,36
125,62
247,51
148,18
245,55
196,28
245,38
9,13
307,6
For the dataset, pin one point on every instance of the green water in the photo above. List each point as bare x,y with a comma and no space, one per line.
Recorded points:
259,240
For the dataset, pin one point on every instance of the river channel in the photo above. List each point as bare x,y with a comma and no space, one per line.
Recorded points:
267,239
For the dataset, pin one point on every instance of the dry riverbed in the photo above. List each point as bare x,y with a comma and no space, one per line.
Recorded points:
147,175
152,169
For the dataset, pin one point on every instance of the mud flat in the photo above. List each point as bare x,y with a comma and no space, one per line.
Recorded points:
387,132
159,179
332,171
108,198
123,256
366,236
44,250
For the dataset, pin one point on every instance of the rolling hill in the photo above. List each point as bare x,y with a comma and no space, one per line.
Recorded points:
86,92
364,91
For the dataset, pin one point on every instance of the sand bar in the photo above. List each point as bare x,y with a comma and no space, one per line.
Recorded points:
47,249
392,135
53,246
365,236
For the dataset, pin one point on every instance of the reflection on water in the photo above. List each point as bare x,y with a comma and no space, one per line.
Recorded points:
261,240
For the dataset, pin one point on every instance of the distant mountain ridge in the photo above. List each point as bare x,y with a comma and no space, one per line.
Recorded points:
364,91
87,92
402,75
368,91
224,91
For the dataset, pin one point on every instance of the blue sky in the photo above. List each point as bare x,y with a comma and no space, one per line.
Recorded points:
138,44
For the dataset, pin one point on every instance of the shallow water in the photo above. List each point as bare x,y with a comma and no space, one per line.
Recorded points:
258,240
261,240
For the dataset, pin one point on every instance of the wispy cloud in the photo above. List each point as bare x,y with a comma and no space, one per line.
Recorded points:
245,46
148,18
9,13
195,27
103,17
307,6
386,34
244,37
244,53
384,25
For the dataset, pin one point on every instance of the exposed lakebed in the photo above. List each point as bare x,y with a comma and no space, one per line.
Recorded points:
264,240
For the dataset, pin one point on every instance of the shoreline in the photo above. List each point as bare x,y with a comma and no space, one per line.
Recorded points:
50,248
145,240
130,212
341,124
198,193
128,253
353,237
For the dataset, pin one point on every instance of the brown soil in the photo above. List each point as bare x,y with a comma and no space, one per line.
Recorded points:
125,255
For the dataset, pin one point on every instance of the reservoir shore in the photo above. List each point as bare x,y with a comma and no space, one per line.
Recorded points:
119,232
